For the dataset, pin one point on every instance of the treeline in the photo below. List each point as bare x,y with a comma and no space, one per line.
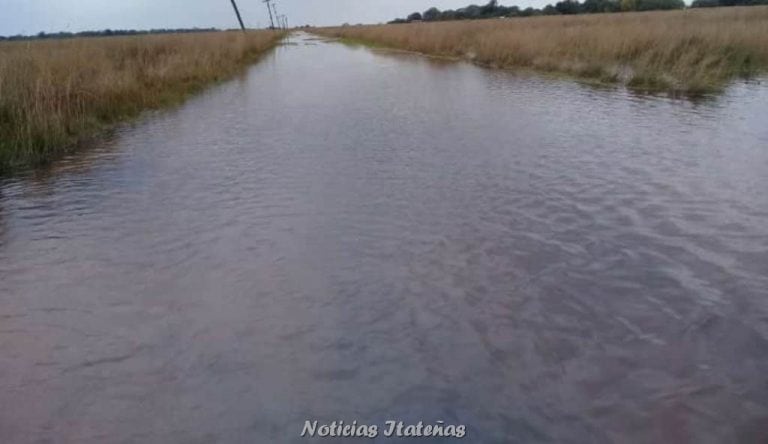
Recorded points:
716,3
104,33
494,10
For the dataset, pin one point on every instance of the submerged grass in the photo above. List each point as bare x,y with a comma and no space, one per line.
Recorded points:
55,93
690,51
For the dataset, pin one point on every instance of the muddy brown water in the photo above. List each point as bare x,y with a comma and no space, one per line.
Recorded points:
347,234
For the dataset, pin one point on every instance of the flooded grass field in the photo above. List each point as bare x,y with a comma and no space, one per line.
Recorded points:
690,51
348,234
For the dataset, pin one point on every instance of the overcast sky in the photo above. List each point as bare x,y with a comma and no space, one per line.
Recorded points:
33,16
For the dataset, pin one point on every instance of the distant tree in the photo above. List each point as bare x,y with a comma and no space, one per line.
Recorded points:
628,5
654,5
449,14
568,7
597,6
472,12
490,9
494,9
431,15
592,6
416,16
714,3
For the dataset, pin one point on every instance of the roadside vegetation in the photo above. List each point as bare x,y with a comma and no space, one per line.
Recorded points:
54,93
103,33
690,51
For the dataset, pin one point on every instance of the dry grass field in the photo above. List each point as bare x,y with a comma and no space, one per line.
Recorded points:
689,51
55,92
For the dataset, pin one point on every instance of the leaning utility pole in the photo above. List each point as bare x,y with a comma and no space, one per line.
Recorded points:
274,11
269,8
237,12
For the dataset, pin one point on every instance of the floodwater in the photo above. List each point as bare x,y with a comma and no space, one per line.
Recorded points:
347,234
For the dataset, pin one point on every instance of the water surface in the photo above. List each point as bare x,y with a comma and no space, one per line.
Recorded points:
341,234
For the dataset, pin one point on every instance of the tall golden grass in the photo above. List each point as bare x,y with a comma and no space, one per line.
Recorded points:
692,51
53,93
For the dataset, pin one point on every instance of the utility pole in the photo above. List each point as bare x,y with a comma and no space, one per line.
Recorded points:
237,12
274,11
269,8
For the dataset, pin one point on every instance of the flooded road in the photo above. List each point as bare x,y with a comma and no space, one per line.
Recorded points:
342,234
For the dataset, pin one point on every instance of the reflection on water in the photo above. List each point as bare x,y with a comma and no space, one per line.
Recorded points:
347,235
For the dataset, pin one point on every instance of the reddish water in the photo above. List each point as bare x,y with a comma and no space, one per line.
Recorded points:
342,234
